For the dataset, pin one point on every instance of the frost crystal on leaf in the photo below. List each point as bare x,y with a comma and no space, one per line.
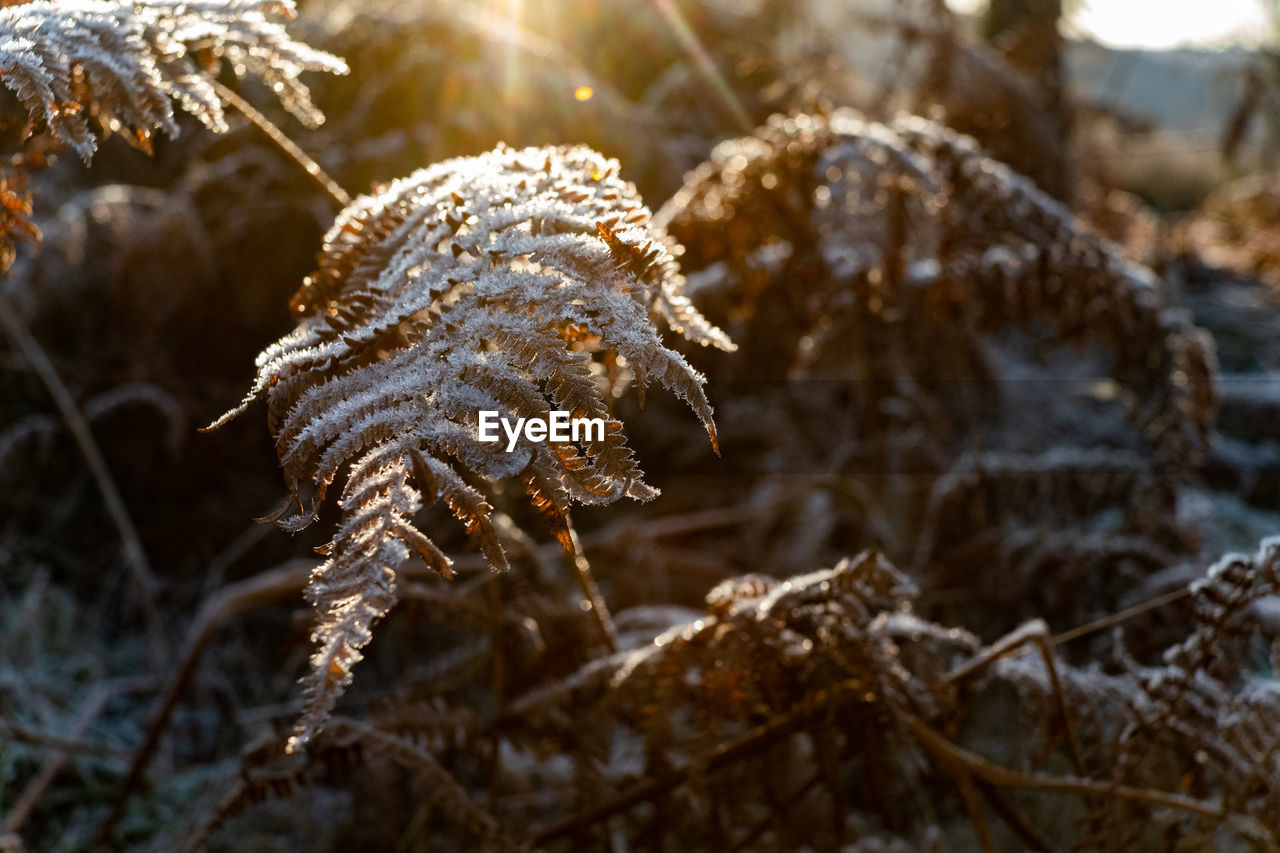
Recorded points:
83,65
517,281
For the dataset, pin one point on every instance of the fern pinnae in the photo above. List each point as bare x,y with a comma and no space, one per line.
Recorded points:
82,69
502,282
123,63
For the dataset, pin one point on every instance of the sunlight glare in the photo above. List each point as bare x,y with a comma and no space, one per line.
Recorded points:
702,61
513,12
1162,24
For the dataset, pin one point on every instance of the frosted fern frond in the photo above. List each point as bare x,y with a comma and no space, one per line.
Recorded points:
519,282
781,632
81,65
890,227
1221,605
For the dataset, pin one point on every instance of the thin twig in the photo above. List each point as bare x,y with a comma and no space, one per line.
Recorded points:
590,591
232,553
1035,633
134,554
682,524
994,774
1013,818
22,734
973,805
1117,618
497,675
340,196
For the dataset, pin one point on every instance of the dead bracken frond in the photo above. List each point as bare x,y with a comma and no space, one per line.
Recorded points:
84,67
833,671
832,227
519,281
1203,704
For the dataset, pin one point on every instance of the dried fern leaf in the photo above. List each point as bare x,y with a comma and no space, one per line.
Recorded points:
15,216
82,67
895,225
501,282
765,648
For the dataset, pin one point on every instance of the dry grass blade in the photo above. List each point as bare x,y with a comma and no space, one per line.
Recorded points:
135,556
284,143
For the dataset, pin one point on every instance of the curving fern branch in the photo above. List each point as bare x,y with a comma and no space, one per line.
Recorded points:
516,281
84,66
831,226
1204,695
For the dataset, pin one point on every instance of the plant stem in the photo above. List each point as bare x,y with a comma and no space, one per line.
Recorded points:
590,591
284,143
